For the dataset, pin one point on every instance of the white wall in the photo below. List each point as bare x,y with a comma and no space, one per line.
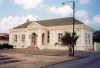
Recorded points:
19,43
96,46
80,30
4,41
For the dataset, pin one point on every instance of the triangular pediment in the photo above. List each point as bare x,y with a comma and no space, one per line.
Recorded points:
34,25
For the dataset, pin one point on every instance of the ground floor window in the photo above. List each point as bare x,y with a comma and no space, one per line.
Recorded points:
89,37
86,37
15,38
59,37
48,36
23,38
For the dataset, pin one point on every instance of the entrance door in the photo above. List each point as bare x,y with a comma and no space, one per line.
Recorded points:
33,39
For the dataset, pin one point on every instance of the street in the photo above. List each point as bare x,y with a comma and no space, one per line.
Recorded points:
92,61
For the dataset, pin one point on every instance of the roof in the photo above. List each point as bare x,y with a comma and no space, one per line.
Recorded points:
51,22
4,37
23,25
3,34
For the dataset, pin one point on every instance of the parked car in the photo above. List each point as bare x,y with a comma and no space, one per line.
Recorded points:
8,46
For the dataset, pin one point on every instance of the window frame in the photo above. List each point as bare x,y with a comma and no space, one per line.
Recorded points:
23,37
15,38
59,37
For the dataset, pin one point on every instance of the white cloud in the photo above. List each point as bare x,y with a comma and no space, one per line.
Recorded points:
27,4
86,21
96,19
84,1
83,15
14,21
63,11
42,6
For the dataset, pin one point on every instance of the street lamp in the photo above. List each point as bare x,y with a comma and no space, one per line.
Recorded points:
73,20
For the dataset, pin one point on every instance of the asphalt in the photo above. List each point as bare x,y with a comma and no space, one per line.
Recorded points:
91,61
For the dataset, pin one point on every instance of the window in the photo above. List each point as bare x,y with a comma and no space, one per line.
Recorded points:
48,36
59,37
15,38
89,38
23,38
85,37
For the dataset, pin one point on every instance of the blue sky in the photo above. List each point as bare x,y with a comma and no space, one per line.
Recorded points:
16,12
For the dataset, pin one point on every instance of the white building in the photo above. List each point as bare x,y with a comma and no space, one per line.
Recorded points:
46,34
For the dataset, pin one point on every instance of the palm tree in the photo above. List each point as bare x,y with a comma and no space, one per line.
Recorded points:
67,40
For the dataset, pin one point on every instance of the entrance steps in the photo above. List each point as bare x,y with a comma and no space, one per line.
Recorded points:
31,48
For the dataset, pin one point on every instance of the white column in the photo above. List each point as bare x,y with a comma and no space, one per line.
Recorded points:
27,39
39,38
11,38
51,37
91,39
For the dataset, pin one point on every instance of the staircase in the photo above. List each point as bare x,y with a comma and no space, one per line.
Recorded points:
32,48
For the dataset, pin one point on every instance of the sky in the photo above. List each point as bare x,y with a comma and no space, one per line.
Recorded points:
16,12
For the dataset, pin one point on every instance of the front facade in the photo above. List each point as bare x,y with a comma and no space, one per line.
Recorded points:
47,34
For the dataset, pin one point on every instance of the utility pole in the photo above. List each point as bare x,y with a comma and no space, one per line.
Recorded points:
73,24
73,21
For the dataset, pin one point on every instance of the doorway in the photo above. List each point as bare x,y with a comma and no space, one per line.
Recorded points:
33,39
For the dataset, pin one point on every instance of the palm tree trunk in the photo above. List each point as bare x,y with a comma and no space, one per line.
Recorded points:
70,53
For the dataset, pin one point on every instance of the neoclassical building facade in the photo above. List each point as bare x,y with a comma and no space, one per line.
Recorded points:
46,34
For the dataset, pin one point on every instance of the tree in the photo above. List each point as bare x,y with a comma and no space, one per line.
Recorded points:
96,36
67,40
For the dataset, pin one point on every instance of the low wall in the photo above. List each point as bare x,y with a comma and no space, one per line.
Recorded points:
96,46
4,41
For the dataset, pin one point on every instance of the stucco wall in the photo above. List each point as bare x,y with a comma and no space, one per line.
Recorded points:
80,30
19,43
96,46
54,30
4,41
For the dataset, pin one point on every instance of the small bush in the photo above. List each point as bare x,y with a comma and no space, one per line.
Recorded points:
56,44
1,46
7,46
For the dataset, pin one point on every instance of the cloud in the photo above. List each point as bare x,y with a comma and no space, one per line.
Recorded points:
12,22
63,11
86,21
84,1
27,4
96,19
83,15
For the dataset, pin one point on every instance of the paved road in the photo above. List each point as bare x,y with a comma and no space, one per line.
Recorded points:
92,61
